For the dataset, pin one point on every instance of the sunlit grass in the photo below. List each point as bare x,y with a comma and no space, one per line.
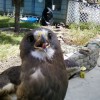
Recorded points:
8,51
9,22
9,41
9,44
80,37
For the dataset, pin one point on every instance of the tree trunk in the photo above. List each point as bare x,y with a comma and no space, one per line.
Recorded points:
17,18
17,15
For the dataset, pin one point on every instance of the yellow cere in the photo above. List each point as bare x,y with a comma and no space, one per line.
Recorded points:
40,33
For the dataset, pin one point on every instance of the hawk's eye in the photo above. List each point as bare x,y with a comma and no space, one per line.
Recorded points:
49,35
31,38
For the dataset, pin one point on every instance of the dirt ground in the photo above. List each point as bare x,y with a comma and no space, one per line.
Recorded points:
12,61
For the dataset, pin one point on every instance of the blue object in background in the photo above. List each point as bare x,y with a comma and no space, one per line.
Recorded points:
29,19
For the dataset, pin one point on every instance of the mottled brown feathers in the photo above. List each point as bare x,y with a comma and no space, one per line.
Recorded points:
43,77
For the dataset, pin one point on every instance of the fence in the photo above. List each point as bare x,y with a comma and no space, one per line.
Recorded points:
83,12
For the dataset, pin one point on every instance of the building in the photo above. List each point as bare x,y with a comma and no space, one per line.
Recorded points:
35,7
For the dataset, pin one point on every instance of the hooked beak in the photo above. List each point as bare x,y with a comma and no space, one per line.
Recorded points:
41,43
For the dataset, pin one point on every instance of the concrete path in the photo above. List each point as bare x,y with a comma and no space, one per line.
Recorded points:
85,89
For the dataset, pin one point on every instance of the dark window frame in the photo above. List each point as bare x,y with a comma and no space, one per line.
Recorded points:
56,3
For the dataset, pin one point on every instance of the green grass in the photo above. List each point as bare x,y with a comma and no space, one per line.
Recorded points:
9,44
79,37
9,22
6,21
86,26
84,32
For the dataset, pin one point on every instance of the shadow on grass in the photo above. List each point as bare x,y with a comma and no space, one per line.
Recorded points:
6,22
7,39
29,25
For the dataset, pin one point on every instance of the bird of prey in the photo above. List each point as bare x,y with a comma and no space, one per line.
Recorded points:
43,72
9,79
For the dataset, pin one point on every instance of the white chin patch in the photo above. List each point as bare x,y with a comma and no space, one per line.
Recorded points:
42,55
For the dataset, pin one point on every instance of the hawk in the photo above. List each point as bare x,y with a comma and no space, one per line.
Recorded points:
9,80
43,72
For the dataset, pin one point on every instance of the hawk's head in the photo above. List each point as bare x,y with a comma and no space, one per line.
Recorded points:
41,43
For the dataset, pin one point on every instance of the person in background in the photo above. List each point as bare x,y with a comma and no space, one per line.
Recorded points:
47,17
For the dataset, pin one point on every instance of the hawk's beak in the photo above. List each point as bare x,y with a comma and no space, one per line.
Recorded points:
41,43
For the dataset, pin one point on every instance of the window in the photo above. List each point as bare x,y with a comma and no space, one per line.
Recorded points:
57,5
48,3
54,4
22,3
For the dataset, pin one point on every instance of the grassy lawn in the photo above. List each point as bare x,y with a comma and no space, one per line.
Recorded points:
9,22
9,44
79,37
84,32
